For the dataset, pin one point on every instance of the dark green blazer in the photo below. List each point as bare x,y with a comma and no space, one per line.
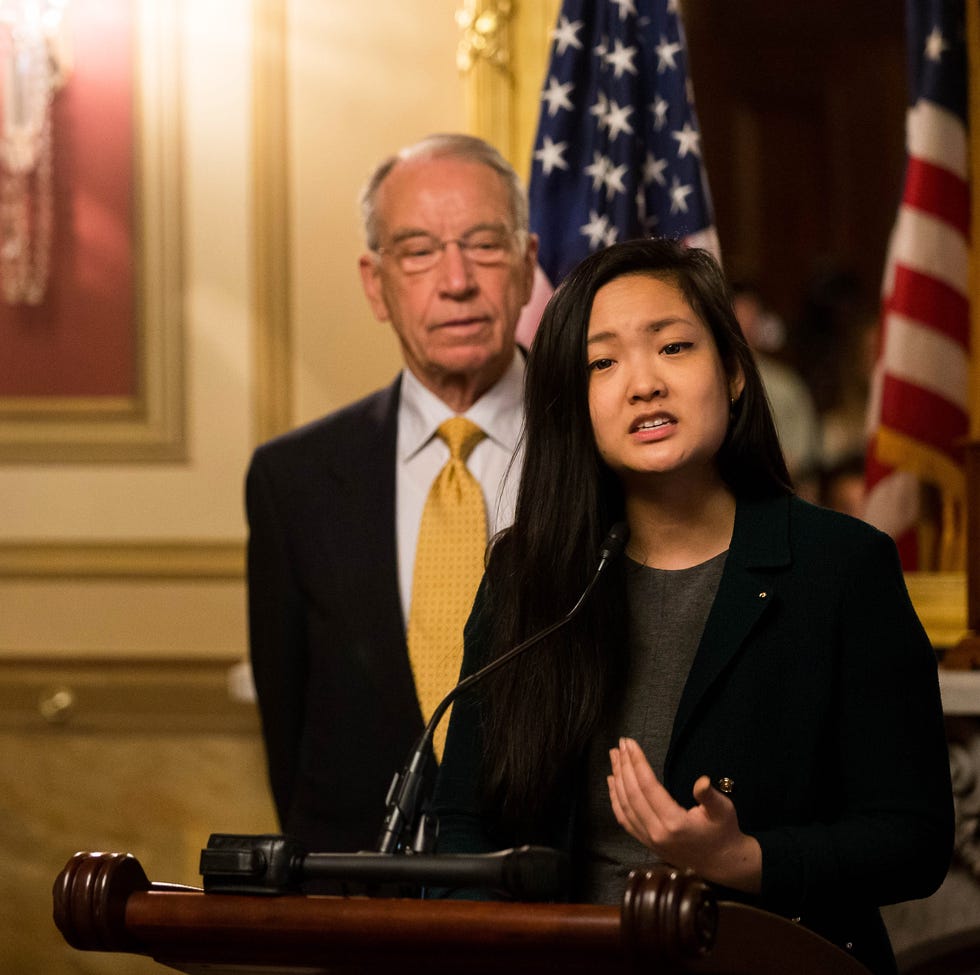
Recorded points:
814,688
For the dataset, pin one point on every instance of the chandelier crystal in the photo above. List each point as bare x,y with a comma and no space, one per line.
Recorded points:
34,64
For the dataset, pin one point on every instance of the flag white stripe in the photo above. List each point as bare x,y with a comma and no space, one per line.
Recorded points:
916,353
938,137
706,239
931,247
893,503
872,417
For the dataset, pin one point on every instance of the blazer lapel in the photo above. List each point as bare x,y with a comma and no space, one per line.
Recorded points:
760,546
369,482
377,486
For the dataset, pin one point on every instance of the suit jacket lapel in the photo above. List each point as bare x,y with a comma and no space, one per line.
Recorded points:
760,546
370,484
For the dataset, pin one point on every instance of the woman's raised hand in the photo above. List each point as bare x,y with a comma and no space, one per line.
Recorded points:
706,838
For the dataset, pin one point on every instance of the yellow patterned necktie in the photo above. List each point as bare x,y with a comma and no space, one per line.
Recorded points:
448,567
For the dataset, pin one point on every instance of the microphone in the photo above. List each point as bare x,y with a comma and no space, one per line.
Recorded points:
273,864
406,786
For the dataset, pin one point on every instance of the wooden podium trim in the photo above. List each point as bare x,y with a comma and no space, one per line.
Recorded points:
669,923
91,896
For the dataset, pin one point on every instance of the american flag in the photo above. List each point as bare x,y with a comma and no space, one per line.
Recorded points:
618,148
919,408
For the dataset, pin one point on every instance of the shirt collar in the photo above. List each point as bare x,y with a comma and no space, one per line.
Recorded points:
499,412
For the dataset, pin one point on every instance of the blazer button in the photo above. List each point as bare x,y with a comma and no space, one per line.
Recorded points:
726,785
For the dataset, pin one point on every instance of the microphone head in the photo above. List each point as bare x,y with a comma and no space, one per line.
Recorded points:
614,542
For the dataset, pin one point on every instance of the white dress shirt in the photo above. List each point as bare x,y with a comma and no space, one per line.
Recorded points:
421,454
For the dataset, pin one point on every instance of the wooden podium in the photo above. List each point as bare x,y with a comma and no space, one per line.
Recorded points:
669,922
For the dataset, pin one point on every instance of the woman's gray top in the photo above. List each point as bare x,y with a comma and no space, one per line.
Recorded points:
668,609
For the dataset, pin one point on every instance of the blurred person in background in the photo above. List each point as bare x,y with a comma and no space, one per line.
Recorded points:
792,404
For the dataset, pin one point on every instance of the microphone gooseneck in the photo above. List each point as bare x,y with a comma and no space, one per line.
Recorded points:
406,786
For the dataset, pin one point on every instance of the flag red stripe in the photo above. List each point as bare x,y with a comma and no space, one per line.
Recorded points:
908,548
926,299
906,538
874,469
938,192
924,416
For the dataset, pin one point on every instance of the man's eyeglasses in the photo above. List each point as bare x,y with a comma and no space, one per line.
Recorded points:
422,252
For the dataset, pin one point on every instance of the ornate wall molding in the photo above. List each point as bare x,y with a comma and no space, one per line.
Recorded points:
964,764
164,696
122,560
270,214
485,26
503,51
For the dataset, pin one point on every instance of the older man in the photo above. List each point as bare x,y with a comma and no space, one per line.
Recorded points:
344,555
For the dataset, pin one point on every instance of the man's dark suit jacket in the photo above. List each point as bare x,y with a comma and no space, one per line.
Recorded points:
815,689
334,682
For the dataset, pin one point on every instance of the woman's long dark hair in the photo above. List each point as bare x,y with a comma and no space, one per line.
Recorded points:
540,711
